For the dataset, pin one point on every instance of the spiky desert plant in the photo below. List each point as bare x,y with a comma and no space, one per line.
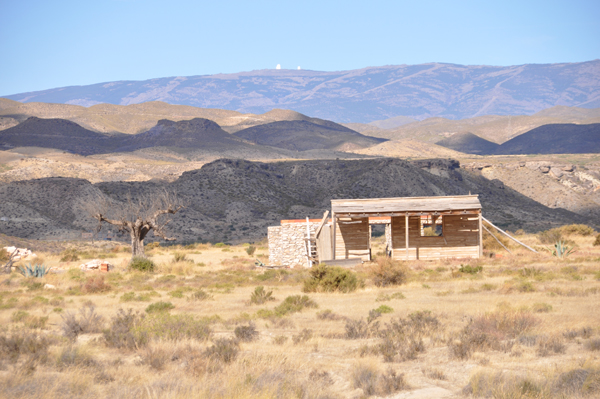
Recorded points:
30,270
561,249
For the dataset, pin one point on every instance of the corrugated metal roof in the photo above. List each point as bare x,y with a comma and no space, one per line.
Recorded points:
406,204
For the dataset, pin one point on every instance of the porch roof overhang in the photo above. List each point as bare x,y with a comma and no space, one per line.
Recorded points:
459,204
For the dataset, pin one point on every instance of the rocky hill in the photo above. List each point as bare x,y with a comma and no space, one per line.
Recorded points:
235,200
547,139
302,135
59,134
364,95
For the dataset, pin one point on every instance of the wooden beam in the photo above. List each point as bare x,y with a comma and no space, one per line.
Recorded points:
486,229
480,237
509,236
333,232
406,234
323,221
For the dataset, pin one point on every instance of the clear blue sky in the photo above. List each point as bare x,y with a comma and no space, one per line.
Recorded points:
46,44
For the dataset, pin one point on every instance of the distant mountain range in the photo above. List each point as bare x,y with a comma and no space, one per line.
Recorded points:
362,95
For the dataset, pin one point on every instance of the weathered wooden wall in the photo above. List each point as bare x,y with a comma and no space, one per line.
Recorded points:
460,238
353,239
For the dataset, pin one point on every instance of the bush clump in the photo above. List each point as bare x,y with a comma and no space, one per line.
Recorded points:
121,331
250,250
468,269
160,307
95,284
577,229
246,333
260,296
223,350
163,325
142,264
387,272
597,241
325,278
88,322
373,382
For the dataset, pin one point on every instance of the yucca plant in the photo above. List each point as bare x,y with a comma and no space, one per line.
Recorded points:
260,295
561,249
33,270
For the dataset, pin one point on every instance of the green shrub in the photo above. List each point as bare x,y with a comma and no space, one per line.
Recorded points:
468,269
597,241
4,255
384,309
260,295
325,278
293,304
250,250
141,264
160,307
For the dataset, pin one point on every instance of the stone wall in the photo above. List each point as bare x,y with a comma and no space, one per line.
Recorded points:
286,244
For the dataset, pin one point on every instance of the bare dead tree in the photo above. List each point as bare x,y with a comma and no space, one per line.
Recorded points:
136,217
8,266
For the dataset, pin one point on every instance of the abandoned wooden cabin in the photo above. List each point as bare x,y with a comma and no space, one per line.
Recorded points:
425,228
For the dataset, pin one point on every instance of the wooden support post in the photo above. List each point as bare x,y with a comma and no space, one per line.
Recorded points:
333,233
480,236
488,230
406,233
509,236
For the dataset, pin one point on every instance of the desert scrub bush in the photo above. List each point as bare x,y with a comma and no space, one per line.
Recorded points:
74,356
402,339
489,330
357,329
541,307
163,325
223,350
327,314
141,264
200,295
373,382
573,383
250,250
293,304
384,309
160,307
260,296
550,236
325,278
29,321
95,284
302,336
87,322
17,343
121,331
597,241
593,344
4,255
246,333
388,297
280,339
577,229
468,269
69,255
550,344
490,243
388,272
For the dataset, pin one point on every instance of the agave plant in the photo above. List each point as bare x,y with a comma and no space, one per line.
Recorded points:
33,270
561,249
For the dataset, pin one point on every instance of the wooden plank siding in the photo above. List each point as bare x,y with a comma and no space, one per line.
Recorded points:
460,238
352,238
406,204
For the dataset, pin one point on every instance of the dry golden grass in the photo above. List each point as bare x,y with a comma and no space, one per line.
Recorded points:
301,354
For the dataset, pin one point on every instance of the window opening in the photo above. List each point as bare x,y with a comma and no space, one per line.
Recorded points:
432,226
